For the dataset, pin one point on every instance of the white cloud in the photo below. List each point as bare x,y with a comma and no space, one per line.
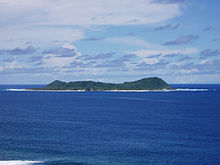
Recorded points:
57,60
188,71
163,52
205,61
18,36
133,41
150,48
150,60
86,12
41,22
69,46
155,56
190,51
14,64
54,61
1,68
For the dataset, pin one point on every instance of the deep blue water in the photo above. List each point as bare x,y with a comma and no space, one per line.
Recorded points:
111,128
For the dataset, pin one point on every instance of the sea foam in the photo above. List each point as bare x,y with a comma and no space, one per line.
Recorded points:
18,162
190,90
15,89
164,90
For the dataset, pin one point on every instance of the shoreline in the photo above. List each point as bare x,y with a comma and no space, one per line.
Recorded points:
159,90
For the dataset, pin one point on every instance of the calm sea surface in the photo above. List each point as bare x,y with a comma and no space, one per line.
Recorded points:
110,128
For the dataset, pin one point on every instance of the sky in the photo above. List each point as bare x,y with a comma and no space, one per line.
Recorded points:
109,41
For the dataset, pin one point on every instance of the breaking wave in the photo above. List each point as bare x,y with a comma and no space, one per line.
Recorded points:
190,90
15,89
164,90
18,162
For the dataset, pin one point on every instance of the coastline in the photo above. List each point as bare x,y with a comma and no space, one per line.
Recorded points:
161,90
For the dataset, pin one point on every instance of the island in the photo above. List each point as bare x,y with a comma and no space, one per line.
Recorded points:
151,83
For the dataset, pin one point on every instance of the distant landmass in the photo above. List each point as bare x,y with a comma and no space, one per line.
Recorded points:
151,83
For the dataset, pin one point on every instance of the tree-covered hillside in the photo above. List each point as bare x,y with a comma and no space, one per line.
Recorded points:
151,83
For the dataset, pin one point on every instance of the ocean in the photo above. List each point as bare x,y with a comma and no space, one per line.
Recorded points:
110,128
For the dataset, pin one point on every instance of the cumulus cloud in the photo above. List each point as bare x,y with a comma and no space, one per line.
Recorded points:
161,58
69,46
150,61
163,52
184,39
204,67
57,57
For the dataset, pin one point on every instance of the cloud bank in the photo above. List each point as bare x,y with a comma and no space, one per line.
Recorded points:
86,12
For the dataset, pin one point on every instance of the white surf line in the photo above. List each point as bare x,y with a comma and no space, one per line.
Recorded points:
190,90
163,90
18,162
15,89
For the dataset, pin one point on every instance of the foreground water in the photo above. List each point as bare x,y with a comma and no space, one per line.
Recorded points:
110,128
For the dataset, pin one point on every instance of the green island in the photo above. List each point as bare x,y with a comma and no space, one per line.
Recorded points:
151,83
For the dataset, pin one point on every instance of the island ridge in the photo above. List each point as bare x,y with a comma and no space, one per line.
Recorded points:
151,83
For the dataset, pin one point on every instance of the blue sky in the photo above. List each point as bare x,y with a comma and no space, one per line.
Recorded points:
109,40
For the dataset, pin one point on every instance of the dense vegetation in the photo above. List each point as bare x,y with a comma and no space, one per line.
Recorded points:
152,83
